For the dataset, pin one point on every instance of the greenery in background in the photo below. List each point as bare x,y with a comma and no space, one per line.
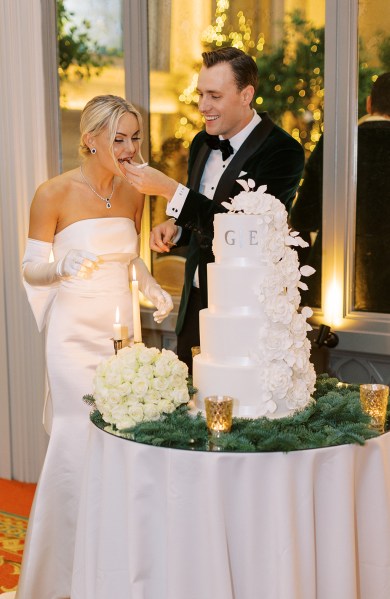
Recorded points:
291,71
334,418
294,80
79,55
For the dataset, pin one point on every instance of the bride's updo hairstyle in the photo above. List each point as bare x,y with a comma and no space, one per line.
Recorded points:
103,112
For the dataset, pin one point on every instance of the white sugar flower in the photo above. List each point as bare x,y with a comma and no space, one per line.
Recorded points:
285,372
280,310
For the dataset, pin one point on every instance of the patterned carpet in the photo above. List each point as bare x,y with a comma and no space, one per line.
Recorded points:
15,504
12,533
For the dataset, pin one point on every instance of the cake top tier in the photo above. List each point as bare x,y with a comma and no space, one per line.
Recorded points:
254,229
236,236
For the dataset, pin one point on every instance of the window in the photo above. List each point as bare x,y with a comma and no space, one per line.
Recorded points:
90,63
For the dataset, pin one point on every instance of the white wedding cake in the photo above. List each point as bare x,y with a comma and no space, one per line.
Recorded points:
253,339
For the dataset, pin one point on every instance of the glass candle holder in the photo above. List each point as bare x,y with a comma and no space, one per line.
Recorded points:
374,398
219,413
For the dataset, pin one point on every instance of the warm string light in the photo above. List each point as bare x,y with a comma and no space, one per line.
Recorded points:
214,35
305,101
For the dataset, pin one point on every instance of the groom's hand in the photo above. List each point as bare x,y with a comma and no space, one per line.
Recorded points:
161,236
150,181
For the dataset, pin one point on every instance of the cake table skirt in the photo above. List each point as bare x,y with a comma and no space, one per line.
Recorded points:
159,523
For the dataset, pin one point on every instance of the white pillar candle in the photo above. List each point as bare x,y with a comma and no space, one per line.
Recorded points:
117,326
136,309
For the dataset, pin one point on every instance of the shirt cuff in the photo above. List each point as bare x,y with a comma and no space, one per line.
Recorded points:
176,238
176,204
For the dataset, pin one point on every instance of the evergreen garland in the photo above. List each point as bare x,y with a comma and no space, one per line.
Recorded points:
334,418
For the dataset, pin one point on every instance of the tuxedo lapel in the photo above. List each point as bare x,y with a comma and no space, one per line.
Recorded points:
250,145
197,170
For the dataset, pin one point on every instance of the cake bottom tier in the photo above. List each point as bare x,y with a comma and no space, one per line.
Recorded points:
239,382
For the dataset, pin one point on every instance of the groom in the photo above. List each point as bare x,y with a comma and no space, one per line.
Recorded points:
237,143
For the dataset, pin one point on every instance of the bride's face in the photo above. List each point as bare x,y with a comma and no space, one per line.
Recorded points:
126,144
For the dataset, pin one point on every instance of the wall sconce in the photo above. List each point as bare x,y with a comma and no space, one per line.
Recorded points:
326,337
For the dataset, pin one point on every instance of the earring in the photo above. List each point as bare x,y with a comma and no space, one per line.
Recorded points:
93,150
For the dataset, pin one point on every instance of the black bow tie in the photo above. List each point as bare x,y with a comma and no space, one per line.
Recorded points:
220,144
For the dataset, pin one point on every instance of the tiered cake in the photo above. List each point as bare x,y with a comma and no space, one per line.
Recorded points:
253,340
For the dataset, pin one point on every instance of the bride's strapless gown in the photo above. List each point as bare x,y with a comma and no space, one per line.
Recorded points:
79,330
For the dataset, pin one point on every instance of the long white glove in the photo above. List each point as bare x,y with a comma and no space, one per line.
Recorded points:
38,271
152,290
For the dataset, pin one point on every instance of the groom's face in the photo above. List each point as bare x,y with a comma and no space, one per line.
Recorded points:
225,108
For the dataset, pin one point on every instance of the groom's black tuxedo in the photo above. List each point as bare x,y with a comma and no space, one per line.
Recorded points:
269,156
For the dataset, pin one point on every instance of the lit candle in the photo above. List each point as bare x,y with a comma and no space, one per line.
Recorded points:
136,309
117,326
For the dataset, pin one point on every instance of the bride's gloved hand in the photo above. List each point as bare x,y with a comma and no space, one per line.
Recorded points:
37,270
163,302
152,290
77,263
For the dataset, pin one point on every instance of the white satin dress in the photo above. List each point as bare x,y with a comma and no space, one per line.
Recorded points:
79,329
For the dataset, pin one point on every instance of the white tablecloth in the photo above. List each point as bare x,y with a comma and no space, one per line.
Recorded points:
161,523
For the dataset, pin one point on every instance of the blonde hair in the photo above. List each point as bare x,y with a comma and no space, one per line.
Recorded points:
103,112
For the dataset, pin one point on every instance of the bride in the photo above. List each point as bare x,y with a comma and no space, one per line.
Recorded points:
88,220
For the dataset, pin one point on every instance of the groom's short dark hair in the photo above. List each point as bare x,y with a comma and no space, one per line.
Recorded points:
243,66
380,94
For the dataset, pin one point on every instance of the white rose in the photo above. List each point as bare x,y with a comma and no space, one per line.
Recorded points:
298,359
125,388
273,283
297,398
151,412
146,371
136,411
148,355
280,217
280,310
167,406
169,354
180,395
299,395
179,369
289,267
298,328
113,379
152,396
162,367
277,342
310,378
140,386
279,379
126,422
275,246
294,296
160,383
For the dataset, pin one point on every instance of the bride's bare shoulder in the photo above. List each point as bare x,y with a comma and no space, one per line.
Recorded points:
57,188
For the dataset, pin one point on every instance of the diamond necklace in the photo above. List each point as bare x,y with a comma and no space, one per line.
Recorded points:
107,200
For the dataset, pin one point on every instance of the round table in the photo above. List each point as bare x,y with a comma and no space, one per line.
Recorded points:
157,523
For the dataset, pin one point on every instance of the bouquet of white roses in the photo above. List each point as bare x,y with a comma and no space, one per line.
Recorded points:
139,384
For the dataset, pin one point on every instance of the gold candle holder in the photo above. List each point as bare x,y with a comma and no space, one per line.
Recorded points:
119,343
219,414
374,399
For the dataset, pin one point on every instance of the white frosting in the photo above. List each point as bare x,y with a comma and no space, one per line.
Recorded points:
220,329
228,287
253,340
